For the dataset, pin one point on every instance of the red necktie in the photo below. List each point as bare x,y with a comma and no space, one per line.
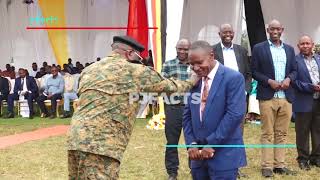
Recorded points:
204,96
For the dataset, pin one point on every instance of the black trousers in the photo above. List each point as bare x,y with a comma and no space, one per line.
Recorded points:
53,99
173,129
29,97
2,97
308,123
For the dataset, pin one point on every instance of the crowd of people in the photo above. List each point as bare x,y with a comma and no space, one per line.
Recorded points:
49,82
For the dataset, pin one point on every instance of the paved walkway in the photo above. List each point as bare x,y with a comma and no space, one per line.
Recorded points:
7,141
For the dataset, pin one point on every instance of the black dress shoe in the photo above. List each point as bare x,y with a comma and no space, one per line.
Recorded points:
52,116
172,177
284,171
66,115
304,166
45,115
266,173
10,115
241,175
315,163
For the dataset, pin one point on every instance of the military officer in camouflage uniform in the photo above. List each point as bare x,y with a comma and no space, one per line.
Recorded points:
102,124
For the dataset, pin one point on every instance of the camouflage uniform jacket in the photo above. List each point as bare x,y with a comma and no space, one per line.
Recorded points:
103,122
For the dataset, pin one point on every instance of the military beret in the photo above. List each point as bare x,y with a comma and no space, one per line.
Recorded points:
129,41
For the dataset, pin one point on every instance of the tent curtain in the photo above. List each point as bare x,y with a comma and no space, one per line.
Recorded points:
58,38
205,25
255,22
27,46
138,23
19,46
297,17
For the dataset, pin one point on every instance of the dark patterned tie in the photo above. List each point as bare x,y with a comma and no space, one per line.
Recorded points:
22,83
204,96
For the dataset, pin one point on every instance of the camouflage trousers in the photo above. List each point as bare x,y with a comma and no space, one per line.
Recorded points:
83,166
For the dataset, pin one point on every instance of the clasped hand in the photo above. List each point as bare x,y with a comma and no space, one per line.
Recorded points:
204,153
279,86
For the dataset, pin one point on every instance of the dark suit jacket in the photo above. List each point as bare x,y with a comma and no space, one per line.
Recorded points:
263,69
242,60
4,87
303,85
31,85
221,120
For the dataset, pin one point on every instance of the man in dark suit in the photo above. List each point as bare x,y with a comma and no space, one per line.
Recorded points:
233,55
24,86
4,90
213,116
273,65
307,104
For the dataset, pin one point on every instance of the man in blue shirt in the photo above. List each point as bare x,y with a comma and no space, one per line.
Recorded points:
274,67
53,90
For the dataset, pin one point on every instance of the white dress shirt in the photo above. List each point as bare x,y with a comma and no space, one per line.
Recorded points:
229,57
211,76
33,73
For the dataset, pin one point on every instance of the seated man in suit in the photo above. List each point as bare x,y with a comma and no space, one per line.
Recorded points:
24,86
216,119
4,90
53,90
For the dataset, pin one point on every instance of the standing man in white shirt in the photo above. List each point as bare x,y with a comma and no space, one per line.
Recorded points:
235,57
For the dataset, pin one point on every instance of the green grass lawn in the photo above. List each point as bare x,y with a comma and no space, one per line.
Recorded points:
18,125
144,158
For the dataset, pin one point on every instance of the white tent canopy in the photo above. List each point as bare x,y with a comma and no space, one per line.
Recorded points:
27,46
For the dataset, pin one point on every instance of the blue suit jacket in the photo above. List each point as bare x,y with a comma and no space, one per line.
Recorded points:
263,69
31,85
221,121
303,85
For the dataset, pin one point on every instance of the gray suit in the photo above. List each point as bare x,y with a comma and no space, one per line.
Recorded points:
242,61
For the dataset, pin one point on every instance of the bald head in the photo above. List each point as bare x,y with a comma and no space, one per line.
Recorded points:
306,45
183,42
305,38
54,71
225,26
183,46
274,22
226,34
275,31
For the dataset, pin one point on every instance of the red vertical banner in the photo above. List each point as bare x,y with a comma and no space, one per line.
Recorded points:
138,23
